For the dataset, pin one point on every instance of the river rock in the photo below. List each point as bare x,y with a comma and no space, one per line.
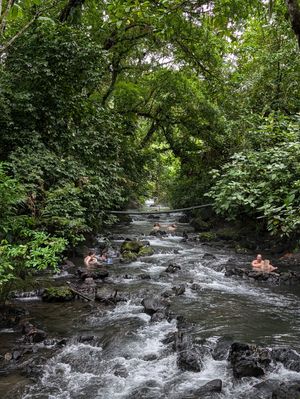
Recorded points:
35,335
206,391
180,290
98,274
152,305
172,268
286,278
274,389
221,349
57,294
189,355
288,357
248,361
11,316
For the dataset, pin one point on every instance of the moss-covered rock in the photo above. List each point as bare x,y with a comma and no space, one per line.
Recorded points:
129,256
131,246
228,234
146,251
57,294
199,224
207,236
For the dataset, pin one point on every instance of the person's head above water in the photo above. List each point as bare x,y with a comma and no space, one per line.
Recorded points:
259,257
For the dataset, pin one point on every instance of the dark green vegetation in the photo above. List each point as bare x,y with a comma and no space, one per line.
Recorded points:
105,102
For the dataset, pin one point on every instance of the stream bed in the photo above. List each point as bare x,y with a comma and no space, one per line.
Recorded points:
128,357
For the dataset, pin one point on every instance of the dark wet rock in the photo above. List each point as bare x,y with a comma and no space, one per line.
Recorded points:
189,355
86,338
16,355
11,316
33,369
205,391
159,233
153,305
98,274
184,219
144,276
180,290
172,268
248,360
167,294
207,256
108,296
150,357
68,264
57,294
120,370
195,287
35,335
285,278
199,224
158,316
221,349
275,389
288,357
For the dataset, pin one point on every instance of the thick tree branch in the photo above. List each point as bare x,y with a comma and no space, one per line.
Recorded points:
69,8
294,13
4,15
17,35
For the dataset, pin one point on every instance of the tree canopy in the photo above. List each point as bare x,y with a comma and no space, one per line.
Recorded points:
102,103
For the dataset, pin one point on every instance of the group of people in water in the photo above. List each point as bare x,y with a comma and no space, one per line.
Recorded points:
259,264
171,228
97,260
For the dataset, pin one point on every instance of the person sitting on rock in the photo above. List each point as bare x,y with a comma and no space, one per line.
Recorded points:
156,227
172,228
257,263
91,259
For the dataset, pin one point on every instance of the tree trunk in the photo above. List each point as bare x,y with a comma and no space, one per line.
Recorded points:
69,8
294,13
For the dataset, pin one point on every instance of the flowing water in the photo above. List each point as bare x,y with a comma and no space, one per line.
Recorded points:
130,359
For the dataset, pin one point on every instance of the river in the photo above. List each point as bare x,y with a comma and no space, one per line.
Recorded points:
128,359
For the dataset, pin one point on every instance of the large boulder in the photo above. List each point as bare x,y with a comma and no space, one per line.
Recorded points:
153,305
274,389
132,249
189,355
248,360
206,391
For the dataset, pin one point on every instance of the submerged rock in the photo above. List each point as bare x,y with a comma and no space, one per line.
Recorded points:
206,391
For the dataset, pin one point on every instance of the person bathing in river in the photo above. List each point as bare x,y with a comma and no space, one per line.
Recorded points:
259,265
91,259
156,227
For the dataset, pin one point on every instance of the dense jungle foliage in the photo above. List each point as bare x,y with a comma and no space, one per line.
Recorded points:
107,102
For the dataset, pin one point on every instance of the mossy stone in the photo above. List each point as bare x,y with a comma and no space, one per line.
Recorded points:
57,294
129,256
207,236
131,246
146,251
